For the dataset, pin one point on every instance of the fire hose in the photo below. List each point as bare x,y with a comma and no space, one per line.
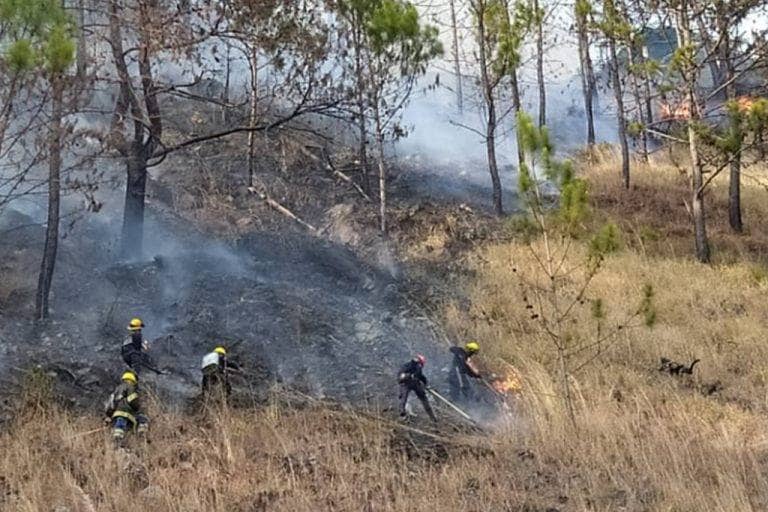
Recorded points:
451,405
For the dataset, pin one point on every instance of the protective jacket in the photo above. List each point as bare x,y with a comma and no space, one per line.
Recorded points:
215,369
412,379
462,363
458,378
134,352
124,402
411,373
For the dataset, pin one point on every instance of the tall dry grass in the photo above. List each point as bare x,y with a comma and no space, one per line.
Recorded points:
275,458
643,439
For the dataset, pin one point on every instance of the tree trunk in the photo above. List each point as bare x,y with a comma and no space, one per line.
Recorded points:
227,82
456,64
647,101
382,168
516,107
734,183
540,63
82,59
587,75
690,77
54,199
631,53
490,128
622,123
133,214
361,117
254,112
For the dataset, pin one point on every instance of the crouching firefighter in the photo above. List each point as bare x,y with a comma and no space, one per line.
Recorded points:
216,369
135,348
462,368
411,378
123,408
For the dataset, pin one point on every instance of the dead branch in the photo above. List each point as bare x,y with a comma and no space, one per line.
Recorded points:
264,196
335,172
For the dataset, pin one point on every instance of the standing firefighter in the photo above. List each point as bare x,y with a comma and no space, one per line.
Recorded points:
216,368
135,347
123,409
461,369
410,379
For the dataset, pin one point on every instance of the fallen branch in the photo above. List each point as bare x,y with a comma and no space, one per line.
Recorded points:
280,208
335,172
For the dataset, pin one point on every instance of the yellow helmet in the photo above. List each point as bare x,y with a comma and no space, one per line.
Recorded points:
135,324
130,376
472,347
220,350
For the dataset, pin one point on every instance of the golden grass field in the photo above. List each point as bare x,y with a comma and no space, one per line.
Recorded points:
643,440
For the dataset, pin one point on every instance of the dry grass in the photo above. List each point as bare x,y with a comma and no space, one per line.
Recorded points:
275,458
644,441
655,213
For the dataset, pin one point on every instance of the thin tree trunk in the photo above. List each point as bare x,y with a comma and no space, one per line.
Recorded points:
82,59
647,101
133,214
490,129
587,74
622,123
631,53
227,80
690,75
254,112
734,184
382,168
516,106
361,117
456,64
54,200
540,63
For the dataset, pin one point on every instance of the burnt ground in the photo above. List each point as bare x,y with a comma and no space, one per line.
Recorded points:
293,308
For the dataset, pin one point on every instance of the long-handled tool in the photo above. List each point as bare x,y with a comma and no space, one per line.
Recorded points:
450,404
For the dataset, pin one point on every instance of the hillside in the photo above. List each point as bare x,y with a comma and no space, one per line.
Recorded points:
643,439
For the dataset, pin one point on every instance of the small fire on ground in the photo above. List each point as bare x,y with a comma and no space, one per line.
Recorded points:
507,384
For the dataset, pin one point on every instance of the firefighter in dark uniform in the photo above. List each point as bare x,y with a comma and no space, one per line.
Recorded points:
216,369
135,347
411,378
124,409
462,369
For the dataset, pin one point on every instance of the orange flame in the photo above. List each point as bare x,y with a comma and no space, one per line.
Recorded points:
509,383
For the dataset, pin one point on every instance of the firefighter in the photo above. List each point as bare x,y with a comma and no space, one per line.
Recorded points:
462,369
135,348
216,369
411,378
124,410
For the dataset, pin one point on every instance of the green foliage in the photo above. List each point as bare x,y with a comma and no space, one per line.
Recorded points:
613,24
58,49
523,227
394,24
20,56
539,152
506,33
36,33
647,309
606,241
583,8
635,128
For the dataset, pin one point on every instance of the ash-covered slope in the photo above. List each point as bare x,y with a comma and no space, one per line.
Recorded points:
292,308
